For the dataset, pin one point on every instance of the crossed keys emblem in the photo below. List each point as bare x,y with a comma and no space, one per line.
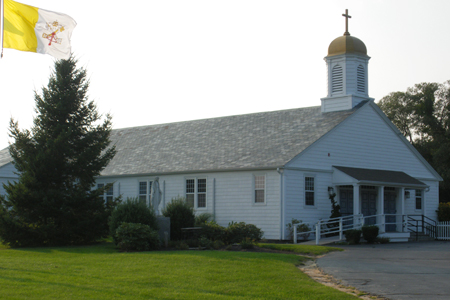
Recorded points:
54,28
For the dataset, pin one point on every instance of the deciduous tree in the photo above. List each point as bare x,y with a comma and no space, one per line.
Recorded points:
422,114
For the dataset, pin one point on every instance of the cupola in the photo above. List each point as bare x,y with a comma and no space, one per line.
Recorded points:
347,65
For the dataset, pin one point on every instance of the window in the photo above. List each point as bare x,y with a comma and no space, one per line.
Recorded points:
418,199
145,189
108,194
309,191
190,191
201,192
196,192
260,187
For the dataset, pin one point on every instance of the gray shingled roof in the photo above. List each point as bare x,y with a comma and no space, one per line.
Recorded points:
5,158
381,176
253,141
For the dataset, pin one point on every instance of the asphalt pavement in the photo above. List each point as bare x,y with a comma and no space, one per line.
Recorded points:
415,270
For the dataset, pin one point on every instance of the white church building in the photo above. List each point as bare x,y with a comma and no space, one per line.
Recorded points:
268,168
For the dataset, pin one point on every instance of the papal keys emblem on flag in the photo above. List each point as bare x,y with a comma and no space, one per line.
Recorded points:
52,37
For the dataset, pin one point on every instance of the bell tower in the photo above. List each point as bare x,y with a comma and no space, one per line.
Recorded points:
347,65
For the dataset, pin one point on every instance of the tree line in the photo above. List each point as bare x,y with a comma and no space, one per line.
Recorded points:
422,114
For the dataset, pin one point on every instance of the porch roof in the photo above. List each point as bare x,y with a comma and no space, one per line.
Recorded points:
381,177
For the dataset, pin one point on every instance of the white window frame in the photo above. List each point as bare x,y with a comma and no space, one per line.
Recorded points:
257,187
107,193
148,196
418,197
196,191
305,190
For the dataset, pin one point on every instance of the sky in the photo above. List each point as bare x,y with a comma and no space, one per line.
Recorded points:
153,62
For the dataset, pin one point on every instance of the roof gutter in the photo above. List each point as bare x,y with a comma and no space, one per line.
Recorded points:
190,172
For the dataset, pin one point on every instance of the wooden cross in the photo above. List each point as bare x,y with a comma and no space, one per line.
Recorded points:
347,16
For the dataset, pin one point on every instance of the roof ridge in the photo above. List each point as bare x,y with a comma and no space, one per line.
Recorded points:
217,118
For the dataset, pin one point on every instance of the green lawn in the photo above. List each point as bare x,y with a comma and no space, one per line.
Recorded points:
100,272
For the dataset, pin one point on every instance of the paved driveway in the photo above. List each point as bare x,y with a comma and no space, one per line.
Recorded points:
418,270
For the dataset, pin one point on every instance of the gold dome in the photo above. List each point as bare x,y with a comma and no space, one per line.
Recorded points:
347,44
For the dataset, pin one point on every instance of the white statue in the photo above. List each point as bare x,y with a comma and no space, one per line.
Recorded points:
156,195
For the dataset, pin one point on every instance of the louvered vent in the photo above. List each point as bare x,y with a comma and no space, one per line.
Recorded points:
337,79
361,82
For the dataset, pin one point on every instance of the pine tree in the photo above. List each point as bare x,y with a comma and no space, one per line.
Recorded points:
53,201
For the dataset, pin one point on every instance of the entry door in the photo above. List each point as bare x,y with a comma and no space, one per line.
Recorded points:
390,208
346,203
369,206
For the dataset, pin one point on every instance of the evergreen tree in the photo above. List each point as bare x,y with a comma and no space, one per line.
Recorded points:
52,202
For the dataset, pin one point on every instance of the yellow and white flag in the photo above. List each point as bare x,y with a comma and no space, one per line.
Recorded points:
29,28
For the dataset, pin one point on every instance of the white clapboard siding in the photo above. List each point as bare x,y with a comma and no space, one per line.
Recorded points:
7,171
229,195
295,197
364,140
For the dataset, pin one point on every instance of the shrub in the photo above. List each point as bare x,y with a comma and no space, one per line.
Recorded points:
383,240
181,245
214,231
290,227
205,243
136,237
300,228
217,244
181,215
237,232
370,233
247,243
132,211
443,212
353,236
192,243
202,218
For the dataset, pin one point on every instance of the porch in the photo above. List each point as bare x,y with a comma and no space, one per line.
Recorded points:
381,196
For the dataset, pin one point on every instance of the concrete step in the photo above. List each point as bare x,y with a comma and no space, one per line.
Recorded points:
420,237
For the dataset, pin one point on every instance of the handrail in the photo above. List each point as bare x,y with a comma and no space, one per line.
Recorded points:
426,224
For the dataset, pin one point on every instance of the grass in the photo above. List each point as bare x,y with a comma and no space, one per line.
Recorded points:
300,249
100,272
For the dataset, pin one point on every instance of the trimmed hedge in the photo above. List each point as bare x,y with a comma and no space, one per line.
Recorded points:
181,215
237,232
370,233
234,233
132,211
353,236
137,237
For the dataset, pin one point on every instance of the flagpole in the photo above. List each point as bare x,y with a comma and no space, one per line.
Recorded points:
2,14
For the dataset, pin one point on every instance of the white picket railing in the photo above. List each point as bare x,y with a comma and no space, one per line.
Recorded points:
443,231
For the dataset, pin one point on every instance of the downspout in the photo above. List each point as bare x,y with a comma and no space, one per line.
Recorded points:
214,199
282,233
164,194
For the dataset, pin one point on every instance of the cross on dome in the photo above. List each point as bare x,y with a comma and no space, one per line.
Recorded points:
347,16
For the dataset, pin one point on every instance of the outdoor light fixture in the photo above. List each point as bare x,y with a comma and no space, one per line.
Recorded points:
330,191
407,194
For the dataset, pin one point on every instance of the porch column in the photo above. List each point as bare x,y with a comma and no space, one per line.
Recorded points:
356,210
382,218
402,209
